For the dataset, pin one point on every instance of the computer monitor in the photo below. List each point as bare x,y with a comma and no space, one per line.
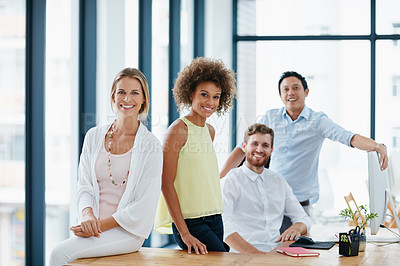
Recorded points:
378,192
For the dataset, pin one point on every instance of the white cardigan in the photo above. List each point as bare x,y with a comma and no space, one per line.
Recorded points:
137,207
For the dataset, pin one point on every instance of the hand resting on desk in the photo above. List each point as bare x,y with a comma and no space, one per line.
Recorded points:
293,232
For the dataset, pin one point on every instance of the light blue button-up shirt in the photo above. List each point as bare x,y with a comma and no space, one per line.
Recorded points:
297,145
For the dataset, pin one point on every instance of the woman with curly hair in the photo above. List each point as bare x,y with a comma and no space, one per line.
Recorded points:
190,179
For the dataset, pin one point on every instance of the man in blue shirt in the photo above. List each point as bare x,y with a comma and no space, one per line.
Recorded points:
299,134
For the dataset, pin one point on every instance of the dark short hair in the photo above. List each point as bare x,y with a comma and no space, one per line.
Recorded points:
292,74
259,128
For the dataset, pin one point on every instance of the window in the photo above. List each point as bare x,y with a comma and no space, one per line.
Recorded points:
307,17
159,68
58,117
218,44
387,17
117,48
330,73
12,132
330,43
388,90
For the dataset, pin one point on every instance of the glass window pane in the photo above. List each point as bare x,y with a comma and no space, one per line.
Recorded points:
387,17
388,94
131,33
160,87
338,76
187,48
12,132
307,17
58,121
187,26
218,44
117,48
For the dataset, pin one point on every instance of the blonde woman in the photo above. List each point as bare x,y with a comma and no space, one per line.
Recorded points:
119,178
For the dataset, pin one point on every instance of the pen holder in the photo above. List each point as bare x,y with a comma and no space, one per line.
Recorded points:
348,244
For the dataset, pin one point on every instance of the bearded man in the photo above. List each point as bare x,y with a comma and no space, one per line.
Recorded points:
255,199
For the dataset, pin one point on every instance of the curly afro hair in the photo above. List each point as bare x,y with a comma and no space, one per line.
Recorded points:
201,70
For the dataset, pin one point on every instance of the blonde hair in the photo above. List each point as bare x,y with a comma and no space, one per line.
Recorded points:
136,74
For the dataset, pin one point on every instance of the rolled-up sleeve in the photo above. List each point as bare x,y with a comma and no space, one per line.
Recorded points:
333,131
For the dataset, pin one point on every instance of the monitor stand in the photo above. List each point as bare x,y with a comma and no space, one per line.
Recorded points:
393,239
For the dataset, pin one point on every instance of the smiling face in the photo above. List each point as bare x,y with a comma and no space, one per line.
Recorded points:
258,149
293,94
205,99
128,97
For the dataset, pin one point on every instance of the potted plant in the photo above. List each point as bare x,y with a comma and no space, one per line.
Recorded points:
348,213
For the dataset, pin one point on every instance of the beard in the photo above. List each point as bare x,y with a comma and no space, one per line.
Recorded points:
257,163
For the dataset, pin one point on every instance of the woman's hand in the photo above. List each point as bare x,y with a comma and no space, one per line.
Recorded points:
192,242
77,230
90,224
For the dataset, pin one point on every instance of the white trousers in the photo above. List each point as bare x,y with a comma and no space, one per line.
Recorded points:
111,242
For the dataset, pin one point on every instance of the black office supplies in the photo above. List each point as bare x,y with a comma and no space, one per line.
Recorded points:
349,243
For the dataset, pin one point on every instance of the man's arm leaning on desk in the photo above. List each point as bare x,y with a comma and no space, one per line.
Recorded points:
238,243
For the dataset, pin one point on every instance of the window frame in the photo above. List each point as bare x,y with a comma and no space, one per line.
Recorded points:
372,38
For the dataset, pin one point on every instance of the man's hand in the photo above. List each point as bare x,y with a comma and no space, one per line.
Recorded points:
289,234
367,144
192,242
383,157
293,232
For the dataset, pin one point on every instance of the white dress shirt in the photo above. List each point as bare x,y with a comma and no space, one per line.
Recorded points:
254,205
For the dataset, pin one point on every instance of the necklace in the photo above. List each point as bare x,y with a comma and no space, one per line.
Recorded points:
109,159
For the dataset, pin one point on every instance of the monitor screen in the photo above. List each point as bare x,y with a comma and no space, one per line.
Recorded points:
377,184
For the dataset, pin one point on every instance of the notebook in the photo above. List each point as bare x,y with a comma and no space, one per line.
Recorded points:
297,252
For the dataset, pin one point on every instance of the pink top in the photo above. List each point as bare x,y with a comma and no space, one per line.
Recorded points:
110,195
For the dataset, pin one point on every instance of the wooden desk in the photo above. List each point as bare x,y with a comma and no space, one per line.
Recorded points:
373,255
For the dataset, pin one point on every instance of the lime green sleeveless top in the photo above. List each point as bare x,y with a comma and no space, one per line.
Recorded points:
197,181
